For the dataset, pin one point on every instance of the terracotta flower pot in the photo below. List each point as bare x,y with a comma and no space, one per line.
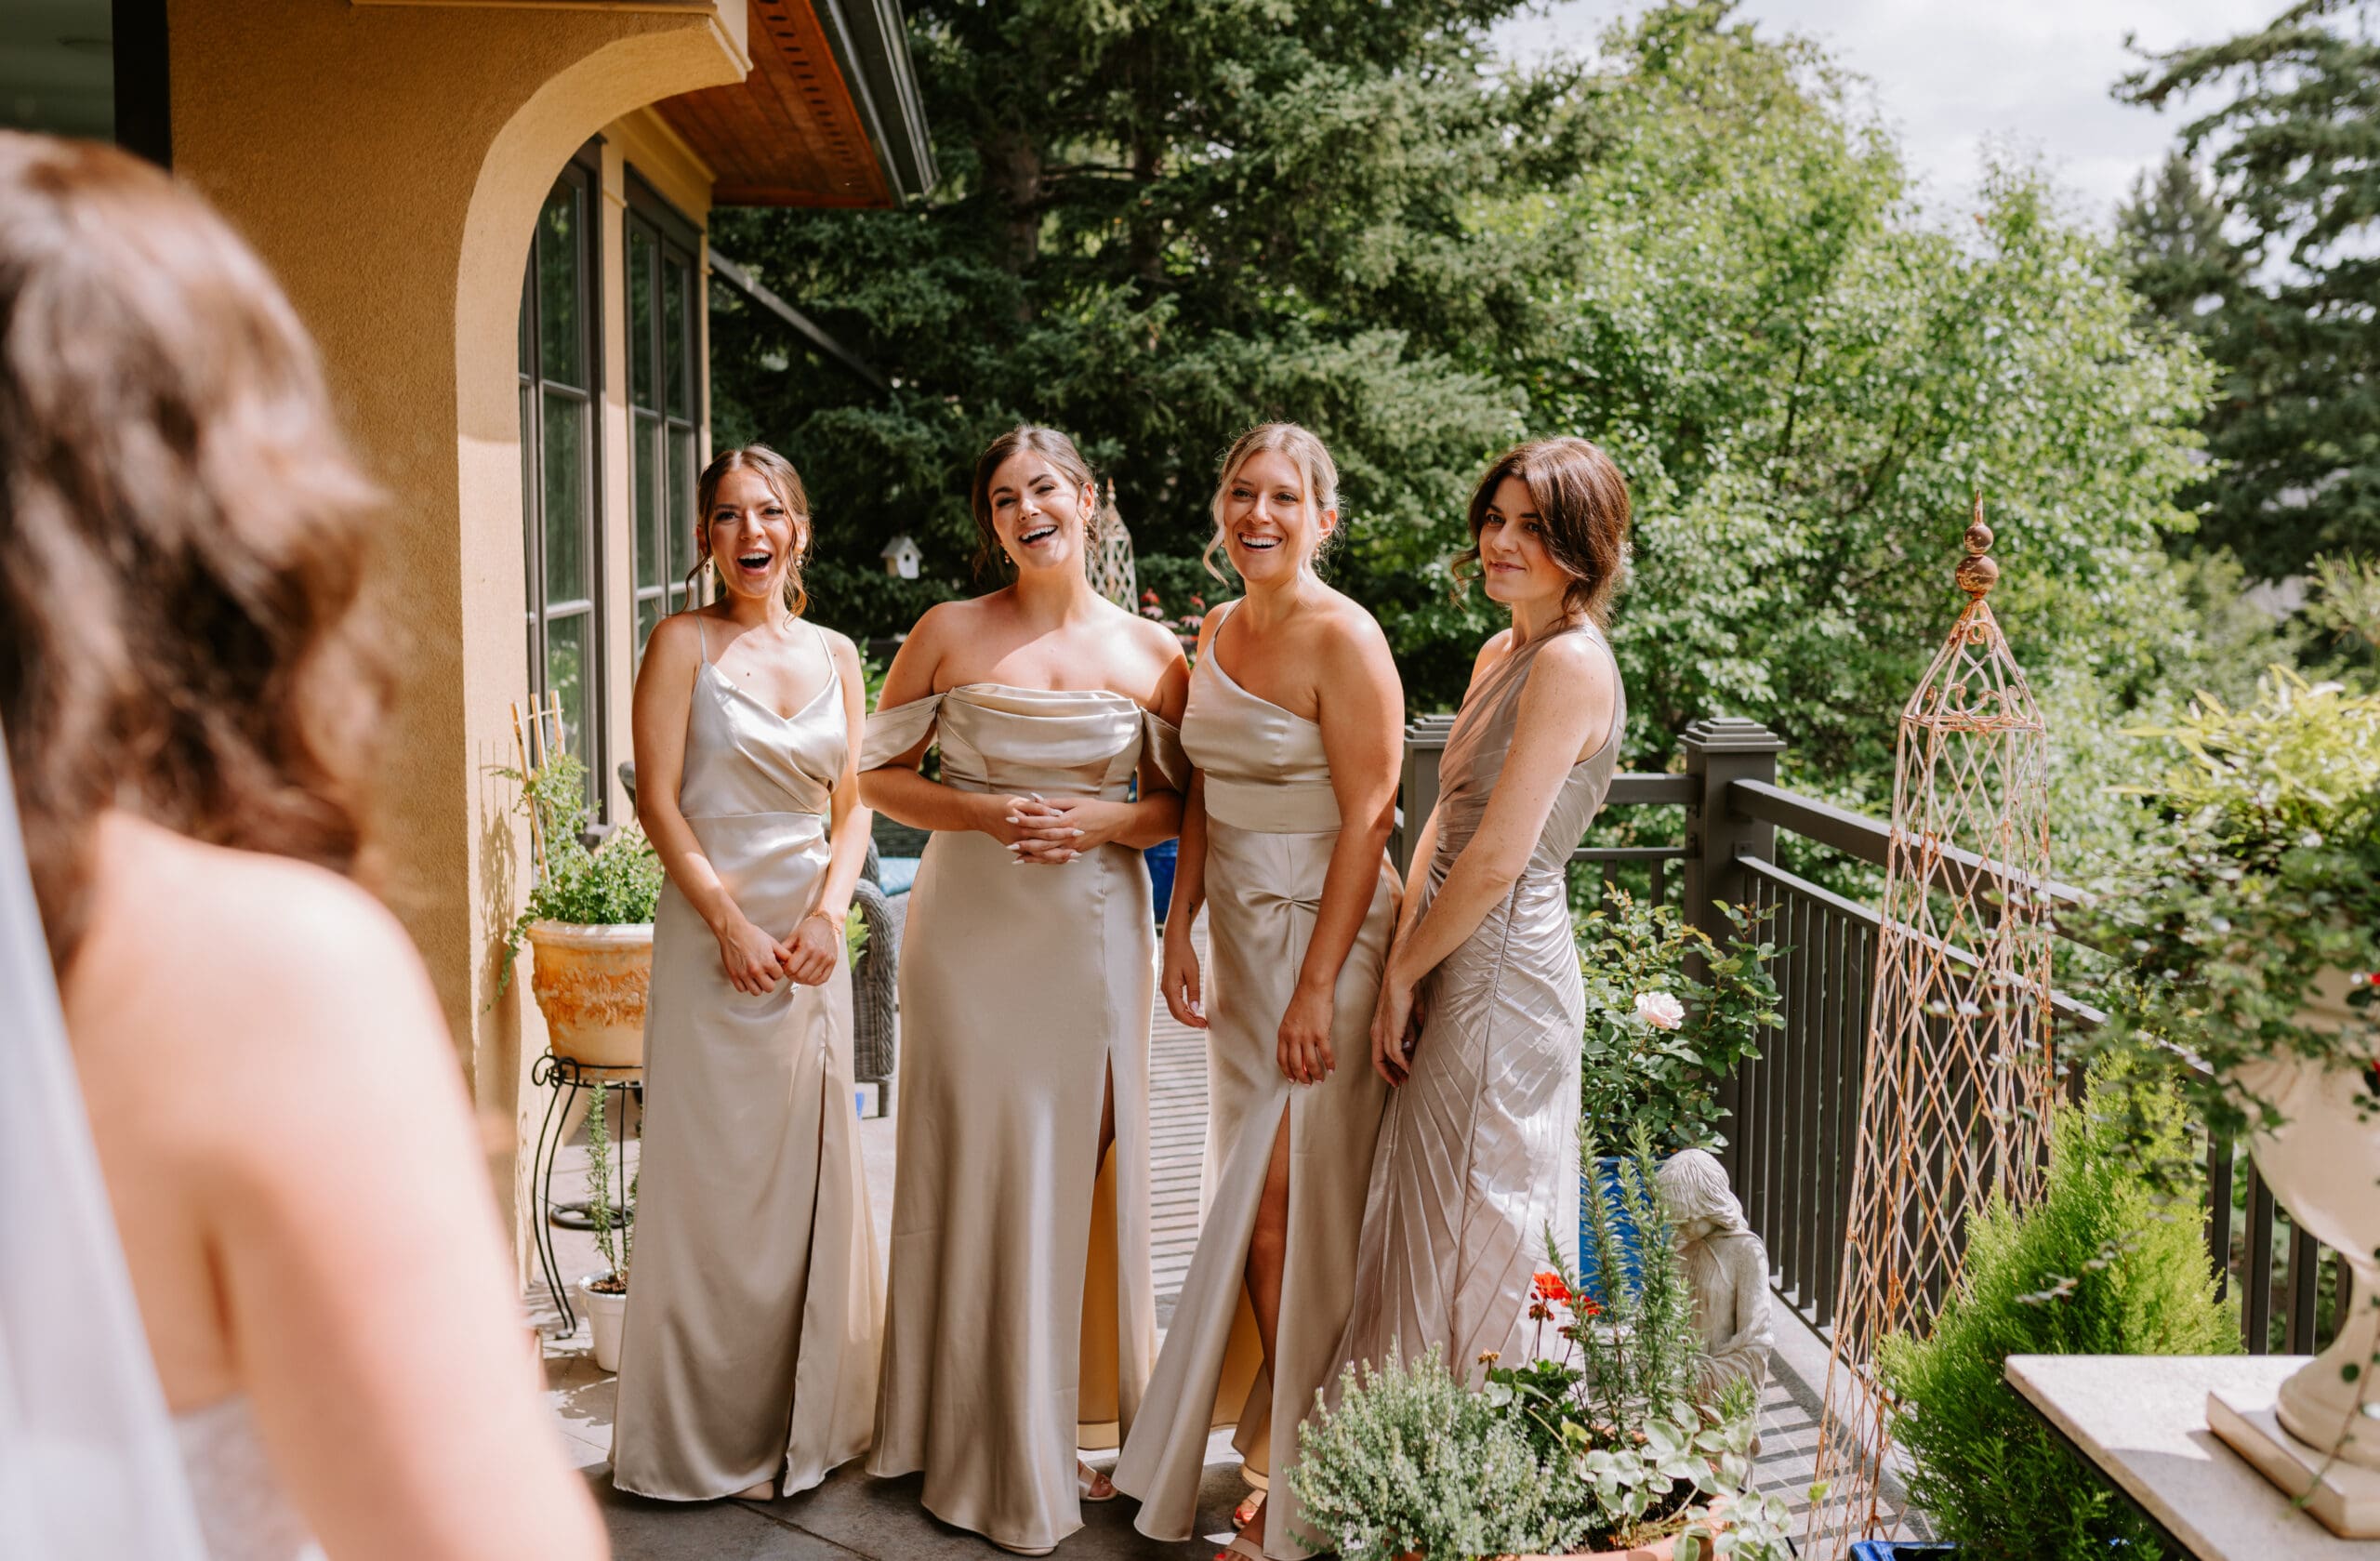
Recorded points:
591,984
2322,1164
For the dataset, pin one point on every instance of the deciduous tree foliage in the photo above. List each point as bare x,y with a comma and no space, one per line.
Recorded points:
1163,220
2287,302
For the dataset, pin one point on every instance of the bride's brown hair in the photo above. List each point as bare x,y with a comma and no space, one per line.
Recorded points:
182,533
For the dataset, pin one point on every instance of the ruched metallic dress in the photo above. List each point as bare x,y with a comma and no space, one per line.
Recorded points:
1021,1322
1478,1156
1272,822
750,1348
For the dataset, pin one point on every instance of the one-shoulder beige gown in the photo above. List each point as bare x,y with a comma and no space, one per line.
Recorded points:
1022,1321
1272,821
754,1305
1478,1156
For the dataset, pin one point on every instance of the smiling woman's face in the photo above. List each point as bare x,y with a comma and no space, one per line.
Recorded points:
1515,566
1038,514
753,537
1270,527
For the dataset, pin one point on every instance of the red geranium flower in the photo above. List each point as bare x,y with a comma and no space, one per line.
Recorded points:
1551,1287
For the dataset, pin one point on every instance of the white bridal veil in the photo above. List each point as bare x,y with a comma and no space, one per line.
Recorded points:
88,1466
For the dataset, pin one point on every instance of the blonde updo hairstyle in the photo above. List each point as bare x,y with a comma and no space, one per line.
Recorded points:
784,482
1306,451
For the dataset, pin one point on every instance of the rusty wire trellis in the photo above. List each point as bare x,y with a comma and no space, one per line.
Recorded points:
1112,574
1960,1079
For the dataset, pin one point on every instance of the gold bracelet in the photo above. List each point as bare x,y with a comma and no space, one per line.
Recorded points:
828,915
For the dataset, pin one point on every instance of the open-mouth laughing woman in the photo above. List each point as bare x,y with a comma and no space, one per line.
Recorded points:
1293,723
748,1360
1022,1321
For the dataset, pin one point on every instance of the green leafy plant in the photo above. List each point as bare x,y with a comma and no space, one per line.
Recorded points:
615,1228
2272,878
2105,1264
614,885
1596,1440
1658,1041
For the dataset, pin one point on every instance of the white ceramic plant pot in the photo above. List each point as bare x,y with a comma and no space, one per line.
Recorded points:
2323,1165
604,1309
591,984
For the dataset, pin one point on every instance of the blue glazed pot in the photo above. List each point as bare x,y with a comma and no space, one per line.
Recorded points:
1161,859
1606,1182
1899,1549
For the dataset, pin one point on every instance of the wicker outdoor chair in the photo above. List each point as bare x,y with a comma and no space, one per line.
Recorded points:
875,977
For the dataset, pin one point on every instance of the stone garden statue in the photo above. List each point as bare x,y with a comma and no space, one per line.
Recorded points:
1727,1269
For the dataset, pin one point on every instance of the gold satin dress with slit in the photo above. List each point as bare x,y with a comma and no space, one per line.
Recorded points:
1022,1321
748,1351
1272,822
1479,1154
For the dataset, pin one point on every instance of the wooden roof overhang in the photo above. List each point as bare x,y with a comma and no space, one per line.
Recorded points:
828,117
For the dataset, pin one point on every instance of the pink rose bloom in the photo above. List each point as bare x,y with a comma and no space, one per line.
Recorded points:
1659,1010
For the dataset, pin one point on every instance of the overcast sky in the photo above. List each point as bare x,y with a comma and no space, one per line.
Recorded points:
1949,74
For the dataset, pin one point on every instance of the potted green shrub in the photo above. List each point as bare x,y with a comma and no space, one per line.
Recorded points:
605,1295
1593,1447
2104,1262
589,918
1660,1040
2250,946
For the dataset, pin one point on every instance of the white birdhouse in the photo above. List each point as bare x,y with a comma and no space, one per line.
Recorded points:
902,557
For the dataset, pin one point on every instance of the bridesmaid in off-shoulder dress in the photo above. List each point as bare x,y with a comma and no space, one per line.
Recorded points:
1481,1005
1022,1321
1292,723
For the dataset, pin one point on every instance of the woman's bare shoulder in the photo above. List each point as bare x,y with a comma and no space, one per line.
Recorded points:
253,970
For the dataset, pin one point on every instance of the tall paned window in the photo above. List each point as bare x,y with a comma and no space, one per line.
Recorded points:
558,490
665,402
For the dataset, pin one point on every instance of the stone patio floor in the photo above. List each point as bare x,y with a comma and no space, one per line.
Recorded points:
853,1515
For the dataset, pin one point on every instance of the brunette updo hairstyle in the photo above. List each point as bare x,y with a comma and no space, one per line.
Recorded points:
1305,450
182,533
784,482
1582,500
1052,446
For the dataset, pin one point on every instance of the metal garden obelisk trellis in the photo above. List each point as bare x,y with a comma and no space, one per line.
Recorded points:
1960,1077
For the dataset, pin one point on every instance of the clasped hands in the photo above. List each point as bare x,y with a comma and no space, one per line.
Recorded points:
1053,831
755,962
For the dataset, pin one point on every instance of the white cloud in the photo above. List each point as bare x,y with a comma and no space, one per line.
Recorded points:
1949,76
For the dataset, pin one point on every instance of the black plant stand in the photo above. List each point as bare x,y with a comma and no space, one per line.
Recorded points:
564,1079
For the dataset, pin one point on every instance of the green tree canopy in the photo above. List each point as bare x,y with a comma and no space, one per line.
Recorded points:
2284,300
1164,220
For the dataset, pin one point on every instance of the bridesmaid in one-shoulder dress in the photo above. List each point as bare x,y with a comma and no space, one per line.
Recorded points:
1289,808
1481,1006
1022,1317
748,1364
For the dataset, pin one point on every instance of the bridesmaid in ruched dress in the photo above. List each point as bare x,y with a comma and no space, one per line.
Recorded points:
748,1363
1023,1318
1282,836
1481,1005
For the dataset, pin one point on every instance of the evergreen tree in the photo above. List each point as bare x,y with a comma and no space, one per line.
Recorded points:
2295,157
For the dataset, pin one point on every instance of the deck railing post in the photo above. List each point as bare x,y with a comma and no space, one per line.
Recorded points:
1721,750
1417,790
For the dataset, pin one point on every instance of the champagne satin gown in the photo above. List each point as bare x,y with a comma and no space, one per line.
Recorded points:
1272,821
748,1351
1022,1317
1478,1156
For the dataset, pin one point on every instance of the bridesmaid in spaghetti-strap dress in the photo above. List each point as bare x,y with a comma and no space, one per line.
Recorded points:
748,1364
1481,1006
1022,1317
1283,832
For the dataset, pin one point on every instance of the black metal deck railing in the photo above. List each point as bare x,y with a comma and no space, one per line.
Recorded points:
1793,1113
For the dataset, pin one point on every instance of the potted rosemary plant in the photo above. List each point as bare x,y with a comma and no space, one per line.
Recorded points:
605,1295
